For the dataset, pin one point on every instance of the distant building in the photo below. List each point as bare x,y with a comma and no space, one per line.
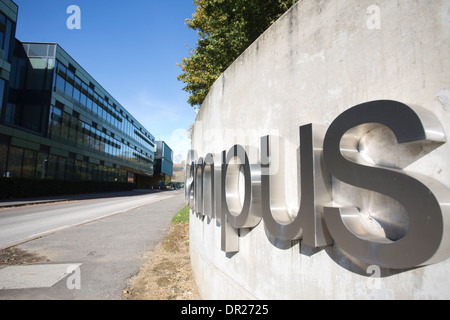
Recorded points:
163,161
57,122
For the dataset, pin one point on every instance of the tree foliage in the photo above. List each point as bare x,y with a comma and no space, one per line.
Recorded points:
225,29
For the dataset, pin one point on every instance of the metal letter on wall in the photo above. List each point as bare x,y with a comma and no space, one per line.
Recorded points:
314,190
208,186
241,200
189,171
229,235
424,199
198,186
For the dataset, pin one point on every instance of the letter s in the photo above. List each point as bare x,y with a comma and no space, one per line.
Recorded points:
423,242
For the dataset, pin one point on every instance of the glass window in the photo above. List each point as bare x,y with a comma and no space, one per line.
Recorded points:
108,147
15,161
102,144
84,170
97,108
8,37
29,164
50,116
41,165
36,74
31,117
73,129
83,133
77,170
69,89
101,102
3,159
92,139
61,69
17,79
77,89
94,107
65,128
2,93
84,88
88,136
100,111
90,169
76,94
113,148
61,168
90,93
95,172
56,121
70,81
71,73
38,50
50,63
80,130
83,99
97,141
52,166
96,98
84,92
49,75
60,83
58,108
89,104
70,169
77,84
2,30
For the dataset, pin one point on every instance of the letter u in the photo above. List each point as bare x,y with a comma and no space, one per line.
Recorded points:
314,186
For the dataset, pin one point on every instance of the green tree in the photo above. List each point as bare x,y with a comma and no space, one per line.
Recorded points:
225,28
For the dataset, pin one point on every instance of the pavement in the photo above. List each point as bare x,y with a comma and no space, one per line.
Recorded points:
92,261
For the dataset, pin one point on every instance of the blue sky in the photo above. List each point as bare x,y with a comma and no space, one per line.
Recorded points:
131,48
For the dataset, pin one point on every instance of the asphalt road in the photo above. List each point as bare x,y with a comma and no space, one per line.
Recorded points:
107,237
22,224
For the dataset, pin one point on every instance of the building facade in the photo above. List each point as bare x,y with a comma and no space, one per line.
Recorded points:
164,159
8,19
163,163
58,122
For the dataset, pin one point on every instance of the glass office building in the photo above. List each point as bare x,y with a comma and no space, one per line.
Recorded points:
8,19
57,122
164,159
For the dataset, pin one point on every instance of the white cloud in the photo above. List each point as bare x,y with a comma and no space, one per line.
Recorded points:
180,143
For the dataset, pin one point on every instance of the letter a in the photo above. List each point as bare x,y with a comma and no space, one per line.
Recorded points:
74,21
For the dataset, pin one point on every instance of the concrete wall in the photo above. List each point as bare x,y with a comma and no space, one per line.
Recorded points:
320,59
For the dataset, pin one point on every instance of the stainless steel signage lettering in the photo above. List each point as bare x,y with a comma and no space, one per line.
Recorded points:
239,194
